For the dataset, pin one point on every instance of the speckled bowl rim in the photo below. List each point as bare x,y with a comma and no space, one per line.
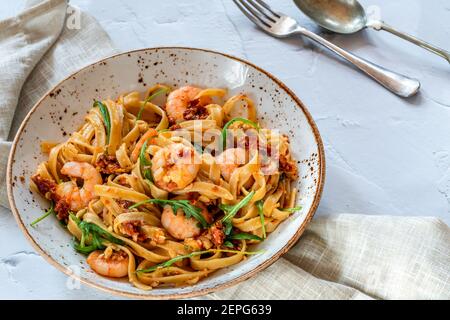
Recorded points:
262,266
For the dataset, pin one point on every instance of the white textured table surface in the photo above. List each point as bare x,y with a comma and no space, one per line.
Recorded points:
385,155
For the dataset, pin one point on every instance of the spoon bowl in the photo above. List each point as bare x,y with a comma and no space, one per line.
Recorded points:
340,16
348,16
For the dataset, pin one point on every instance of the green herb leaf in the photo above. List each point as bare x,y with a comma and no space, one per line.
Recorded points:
150,98
226,207
229,123
259,205
230,211
170,262
237,251
189,209
74,218
94,233
244,236
105,115
45,215
86,249
228,244
291,210
228,227
93,228
145,164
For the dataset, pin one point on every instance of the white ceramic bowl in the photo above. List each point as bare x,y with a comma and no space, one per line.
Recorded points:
62,110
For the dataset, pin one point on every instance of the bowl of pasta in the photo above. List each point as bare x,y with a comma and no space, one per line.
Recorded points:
166,172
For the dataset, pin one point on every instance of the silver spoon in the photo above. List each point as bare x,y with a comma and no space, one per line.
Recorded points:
348,16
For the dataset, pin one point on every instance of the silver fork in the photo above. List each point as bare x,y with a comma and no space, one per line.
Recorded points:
281,26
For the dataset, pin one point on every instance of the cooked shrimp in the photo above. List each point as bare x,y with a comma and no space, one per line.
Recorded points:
178,102
180,227
175,166
146,136
115,265
229,160
78,198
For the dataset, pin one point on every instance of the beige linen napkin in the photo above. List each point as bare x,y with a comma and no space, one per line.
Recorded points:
339,257
352,256
32,62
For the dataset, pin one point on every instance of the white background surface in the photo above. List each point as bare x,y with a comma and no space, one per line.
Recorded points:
385,154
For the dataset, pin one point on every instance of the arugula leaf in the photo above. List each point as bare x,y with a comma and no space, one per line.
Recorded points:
96,245
259,205
168,263
225,207
228,227
291,210
94,233
105,115
45,215
189,209
244,236
230,211
229,123
145,163
93,228
237,251
150,98
74,218
228,244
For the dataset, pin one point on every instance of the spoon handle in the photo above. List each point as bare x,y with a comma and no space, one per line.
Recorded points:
380,25
395,82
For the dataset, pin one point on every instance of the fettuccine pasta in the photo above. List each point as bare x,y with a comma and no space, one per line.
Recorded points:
168,186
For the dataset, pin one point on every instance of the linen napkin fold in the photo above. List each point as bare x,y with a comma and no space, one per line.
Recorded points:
39,47
355,256
339,257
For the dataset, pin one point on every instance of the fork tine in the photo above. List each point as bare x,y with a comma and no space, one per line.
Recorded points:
255,13
267,7
258,22
261,9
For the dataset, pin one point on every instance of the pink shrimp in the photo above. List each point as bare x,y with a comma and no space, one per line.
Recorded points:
115,265
175,166
180,227
78,198
179,101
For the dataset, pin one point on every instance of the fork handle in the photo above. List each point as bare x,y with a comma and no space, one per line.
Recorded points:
395,82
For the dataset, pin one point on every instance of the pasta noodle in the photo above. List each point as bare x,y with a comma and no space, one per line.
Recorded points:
167,187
